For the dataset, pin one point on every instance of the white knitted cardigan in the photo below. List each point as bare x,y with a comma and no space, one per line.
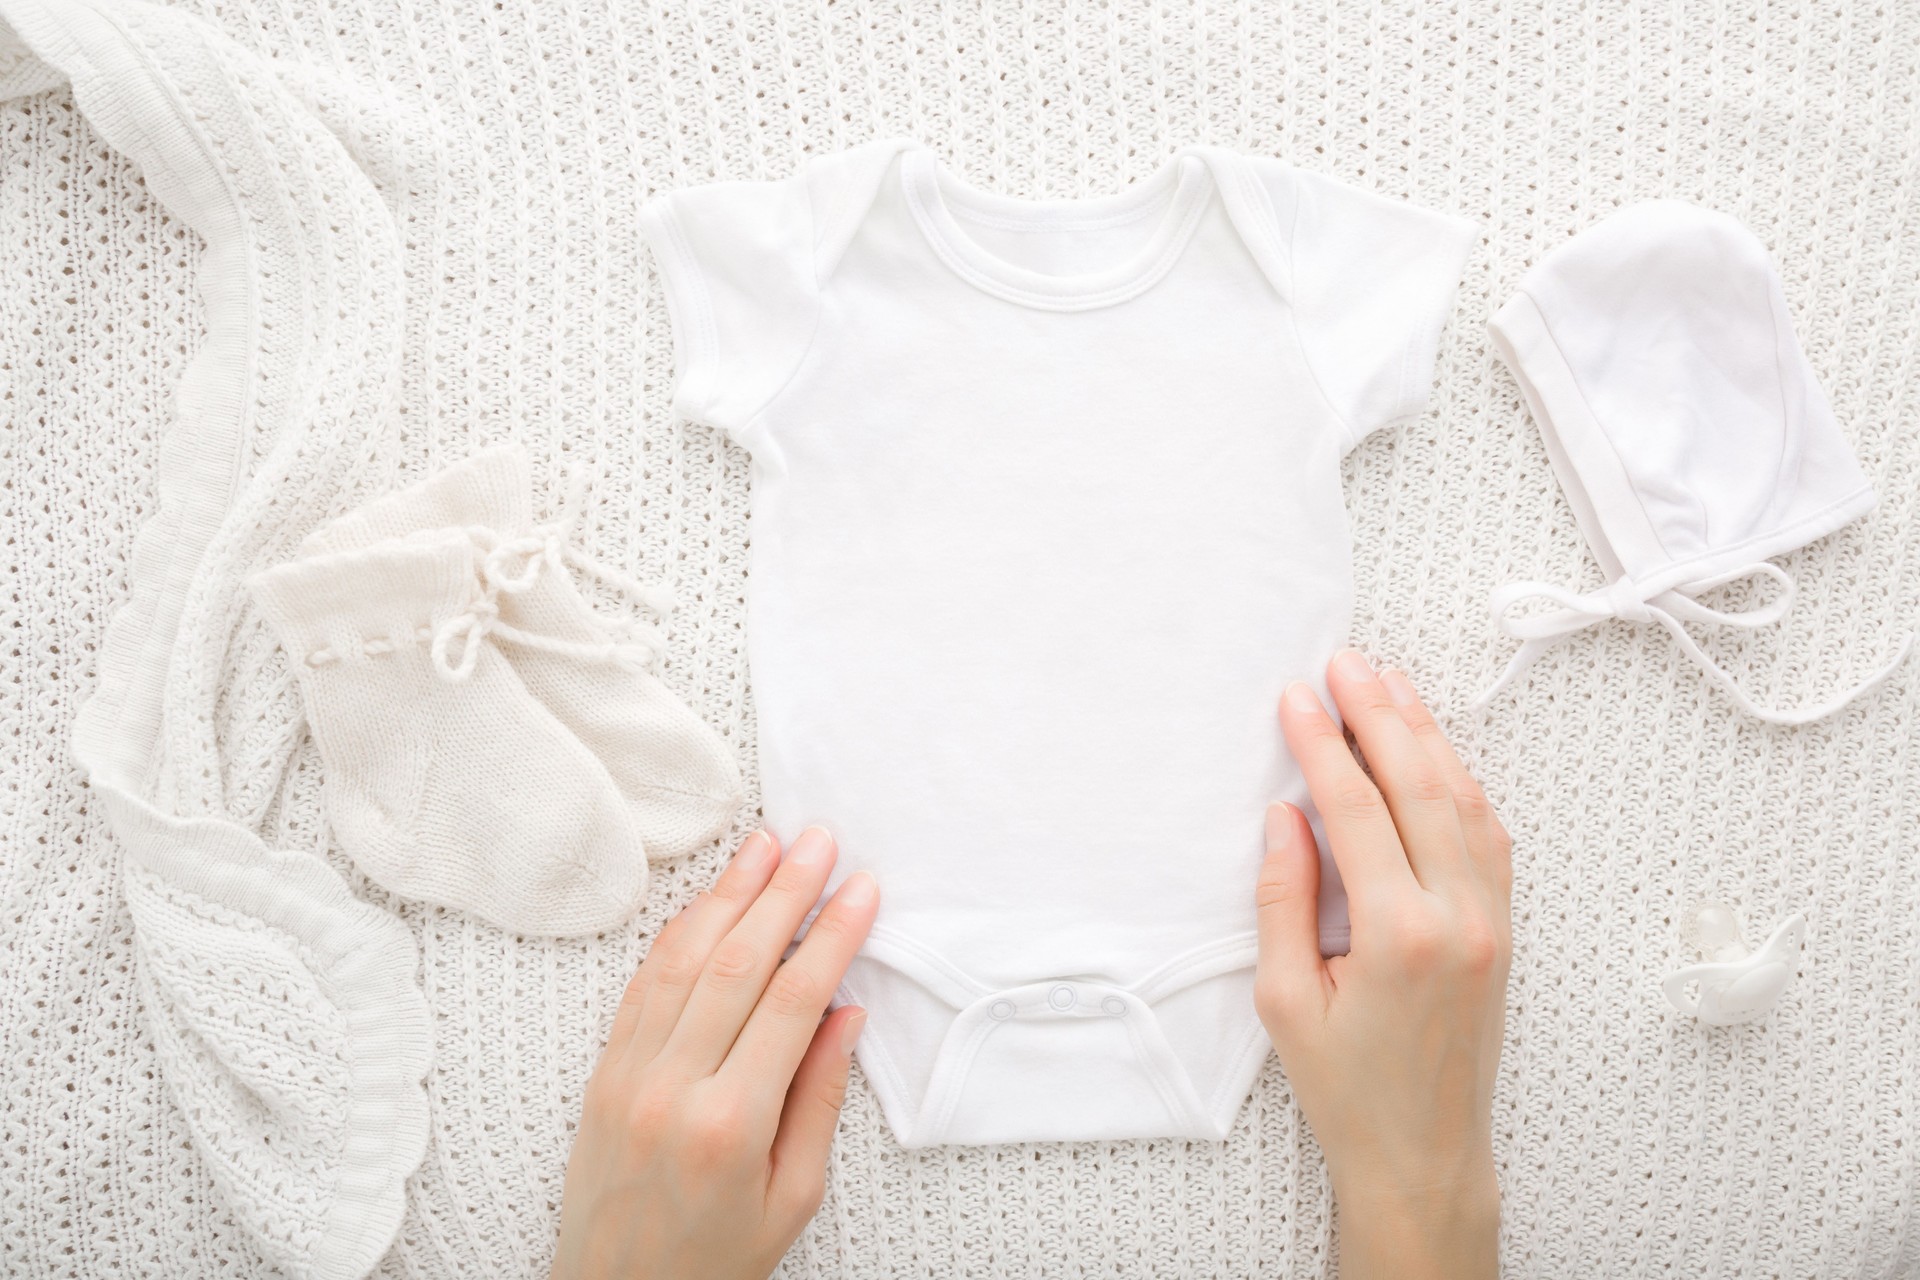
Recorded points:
285,1011
510,144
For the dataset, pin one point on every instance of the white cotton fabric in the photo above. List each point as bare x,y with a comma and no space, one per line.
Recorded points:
1690,434
465,792
1046,513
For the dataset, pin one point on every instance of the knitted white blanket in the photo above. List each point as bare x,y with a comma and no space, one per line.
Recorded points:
410,227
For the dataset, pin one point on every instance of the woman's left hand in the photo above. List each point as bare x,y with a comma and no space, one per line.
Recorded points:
704,1133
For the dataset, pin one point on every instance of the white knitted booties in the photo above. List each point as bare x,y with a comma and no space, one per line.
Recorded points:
462,791
676,774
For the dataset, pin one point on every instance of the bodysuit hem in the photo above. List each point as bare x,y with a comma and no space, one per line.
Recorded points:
927,1119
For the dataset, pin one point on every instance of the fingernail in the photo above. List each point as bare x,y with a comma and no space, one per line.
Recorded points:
813,848
1352,664
1279,825
1399,688
754,851
850,1033
1301,697
858,891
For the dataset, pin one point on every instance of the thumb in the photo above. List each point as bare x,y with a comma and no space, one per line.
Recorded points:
1290,973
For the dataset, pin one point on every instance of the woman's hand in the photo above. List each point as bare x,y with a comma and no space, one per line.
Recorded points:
703,1137
1392,1049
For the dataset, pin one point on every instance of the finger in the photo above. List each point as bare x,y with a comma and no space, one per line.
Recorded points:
1360,832
811,1114
1291,975
1415,790
1487,841
740,964
634,998
679,957
778,1030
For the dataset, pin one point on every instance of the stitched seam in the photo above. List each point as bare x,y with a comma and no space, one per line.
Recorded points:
961,980
1163,980
1149,276
1416,374
1177,1101
874,1049
1221,1096
1009,222
694,291
1600,429
819,310
958,1075
1812,518
1257,191
984,208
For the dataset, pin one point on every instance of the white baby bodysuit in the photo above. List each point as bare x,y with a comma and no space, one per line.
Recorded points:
1046,513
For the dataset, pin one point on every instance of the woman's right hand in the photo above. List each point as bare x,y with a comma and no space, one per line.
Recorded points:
704,1134
1392,1049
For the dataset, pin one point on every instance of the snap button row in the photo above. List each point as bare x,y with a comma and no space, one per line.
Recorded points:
1060,998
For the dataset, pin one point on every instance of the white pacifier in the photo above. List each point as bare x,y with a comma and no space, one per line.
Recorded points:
1734,985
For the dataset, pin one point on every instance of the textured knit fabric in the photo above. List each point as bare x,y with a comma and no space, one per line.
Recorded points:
675,775
992,439
514,146
283,1010
467,792
1690,435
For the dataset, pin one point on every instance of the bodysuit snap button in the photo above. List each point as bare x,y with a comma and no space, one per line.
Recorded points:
1114,1006
1001,1010
1061,997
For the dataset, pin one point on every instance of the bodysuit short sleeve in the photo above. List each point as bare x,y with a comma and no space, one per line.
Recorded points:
737,264
1374,281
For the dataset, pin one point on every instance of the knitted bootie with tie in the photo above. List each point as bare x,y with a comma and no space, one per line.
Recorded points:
445,779
676,775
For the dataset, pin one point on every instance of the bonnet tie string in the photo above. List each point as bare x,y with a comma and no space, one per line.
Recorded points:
510,566
1624,599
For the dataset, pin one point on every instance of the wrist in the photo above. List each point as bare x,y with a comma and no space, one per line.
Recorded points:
1448,1229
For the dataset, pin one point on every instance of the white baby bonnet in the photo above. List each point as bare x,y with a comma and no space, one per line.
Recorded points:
1689,432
